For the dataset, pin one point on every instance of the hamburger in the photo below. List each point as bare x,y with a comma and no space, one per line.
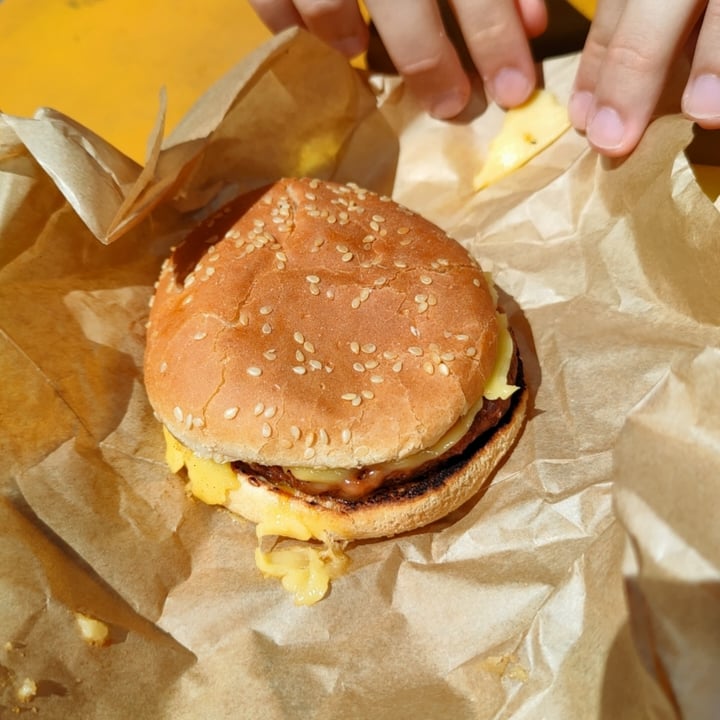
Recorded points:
331,366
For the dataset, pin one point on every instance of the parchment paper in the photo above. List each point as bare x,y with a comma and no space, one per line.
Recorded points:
581,583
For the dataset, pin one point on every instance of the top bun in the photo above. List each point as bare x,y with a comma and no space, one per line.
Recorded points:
319,325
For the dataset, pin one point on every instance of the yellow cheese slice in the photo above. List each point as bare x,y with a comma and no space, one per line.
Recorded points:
527,130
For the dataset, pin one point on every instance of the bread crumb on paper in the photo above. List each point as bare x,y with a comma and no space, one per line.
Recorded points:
27,690
505,666
94,632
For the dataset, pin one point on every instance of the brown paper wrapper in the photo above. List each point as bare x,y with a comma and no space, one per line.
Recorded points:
583,580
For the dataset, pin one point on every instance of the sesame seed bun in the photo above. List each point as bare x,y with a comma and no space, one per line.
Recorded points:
319,325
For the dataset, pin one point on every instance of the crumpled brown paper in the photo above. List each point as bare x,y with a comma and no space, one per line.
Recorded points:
582,582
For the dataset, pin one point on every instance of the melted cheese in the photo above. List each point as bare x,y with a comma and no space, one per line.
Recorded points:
527,130
207,480
306,570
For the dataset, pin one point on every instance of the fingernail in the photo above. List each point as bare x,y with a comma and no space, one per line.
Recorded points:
606,129
702,97
578,109
350,46
510,87
448,105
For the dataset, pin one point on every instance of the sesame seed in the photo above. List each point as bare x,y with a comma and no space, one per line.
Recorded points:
342,248
323,436
209,271
258,409
313,279
314,289
471,352
310,439
422,307
368,348
358,367
266,328
371,364
378,218
295,432
432,300
330,293
426,280
428,367
414,331
178,413
398,366
244,318
308,346
415,350
476,282
374,226
254,371
198,422
299,356
400,264
298,337
368,394
265,310
356,401
355,304
230,413
281,256
443,369
349,396
347,257
199,335
355,347
462,337
309,453
163,367
270,354
448,356
189,280
377,379
188,421
266,430
404,230
346,436
315,364
420,298
299,370
187,300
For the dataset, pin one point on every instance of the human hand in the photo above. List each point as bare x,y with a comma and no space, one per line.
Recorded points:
630,49
496,33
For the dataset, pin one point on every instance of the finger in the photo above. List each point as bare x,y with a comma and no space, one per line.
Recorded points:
414,36
277,14
701,100
497,42
601,31
533,14
338,22
633,73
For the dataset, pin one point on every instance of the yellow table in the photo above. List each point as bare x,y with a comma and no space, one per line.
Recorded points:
103,62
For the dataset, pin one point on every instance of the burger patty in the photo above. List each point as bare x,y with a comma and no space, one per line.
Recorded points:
364,482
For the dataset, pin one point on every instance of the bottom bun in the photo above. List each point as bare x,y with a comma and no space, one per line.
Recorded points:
393,509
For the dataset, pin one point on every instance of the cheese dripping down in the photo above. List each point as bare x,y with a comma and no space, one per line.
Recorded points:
304,570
